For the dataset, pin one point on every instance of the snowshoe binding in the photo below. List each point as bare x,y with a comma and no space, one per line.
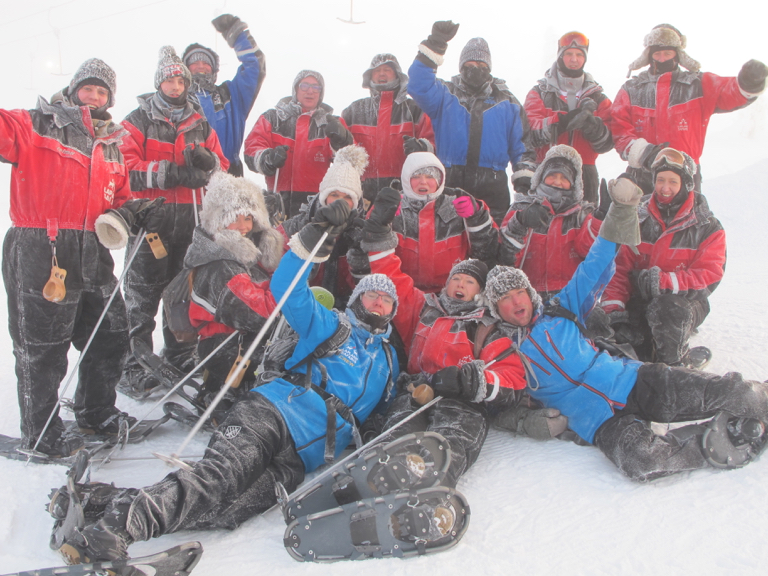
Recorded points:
414,461
185,416
398,524
731,442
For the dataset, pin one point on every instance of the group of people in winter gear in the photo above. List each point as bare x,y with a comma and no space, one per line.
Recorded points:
564,314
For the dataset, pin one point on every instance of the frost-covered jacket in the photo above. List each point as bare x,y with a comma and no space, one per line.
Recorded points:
378,124
64,174
568,372
226,106
490,132
310,151
154,142
432,237
550,256
435,339
545,103
690,252
673,107
359,373
226,294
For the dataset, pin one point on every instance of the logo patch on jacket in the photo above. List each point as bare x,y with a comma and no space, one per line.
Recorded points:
682,126
232,432
320,157
109,192
348,353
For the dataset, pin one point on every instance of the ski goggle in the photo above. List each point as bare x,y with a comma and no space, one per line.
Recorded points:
573,40
312,87
669,157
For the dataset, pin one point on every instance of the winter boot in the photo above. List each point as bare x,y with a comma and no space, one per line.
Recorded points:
696,358
94,498
137,383
105,423
57,442
107,539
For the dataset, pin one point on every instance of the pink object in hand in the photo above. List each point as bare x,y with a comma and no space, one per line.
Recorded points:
465,206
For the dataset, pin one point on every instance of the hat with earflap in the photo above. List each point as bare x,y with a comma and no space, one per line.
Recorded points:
664,36
228,197
170,65
344,174
502,279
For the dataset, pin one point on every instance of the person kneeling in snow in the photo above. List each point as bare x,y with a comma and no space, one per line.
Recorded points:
610,401
277,432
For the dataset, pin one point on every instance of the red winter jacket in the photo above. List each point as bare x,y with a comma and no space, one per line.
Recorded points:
63,176
153,142
435,340
673,107
550,257
545,104
690,253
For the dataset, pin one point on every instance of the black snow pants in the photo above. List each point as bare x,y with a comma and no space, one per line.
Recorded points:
42,331
147,278
669,394
234,481
462,424
489,185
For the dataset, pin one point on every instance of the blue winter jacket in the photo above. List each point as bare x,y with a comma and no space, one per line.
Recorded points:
586,385
358,373
227,108
501,141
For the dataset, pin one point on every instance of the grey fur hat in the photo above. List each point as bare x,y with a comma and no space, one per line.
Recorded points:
228,197
170,65
665,35
377,283
558,154
476,50
101,71
303,74
379,60
502,279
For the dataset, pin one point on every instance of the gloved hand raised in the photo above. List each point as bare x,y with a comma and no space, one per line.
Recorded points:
332,219
337,134
443,31
649,154
272,159
466,206
522,185
536,216
605,201
752,77
377,229
411,145
621,224
230,27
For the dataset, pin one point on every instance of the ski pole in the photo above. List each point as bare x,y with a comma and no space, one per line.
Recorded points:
93,335
174,459
187,377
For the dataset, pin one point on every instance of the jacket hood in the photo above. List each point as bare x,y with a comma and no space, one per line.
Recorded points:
558,154
414,162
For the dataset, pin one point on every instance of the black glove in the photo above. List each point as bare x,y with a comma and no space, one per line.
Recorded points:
142,213
605,201
585,120
647,282
536,216
185,176
201,157
332,219
442,32
540,424
275,208
337,134
377,229
230,27
522,185
273,158
411,144
752,76
564,121
623,331
358,263
650,153
465,383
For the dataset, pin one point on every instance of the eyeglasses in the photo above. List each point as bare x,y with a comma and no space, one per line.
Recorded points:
373,296
573,40
669,157
312,87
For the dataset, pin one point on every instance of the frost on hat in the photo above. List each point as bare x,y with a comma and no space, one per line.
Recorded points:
502,279
305,74
344,174
377,283
472,267
93,68
669,36
197,52
170,65
414,164
390,60
476,50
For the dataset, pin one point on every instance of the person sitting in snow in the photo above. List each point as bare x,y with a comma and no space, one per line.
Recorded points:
388,124
277,432
610,402
295,141
658,298
226,106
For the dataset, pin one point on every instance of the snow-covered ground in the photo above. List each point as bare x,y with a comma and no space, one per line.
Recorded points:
537,507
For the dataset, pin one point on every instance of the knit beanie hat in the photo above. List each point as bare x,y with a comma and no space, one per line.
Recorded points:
418,163
667,36
97,73
303,74
377,283
344,174
476,50
197,52
502,279
472,267
170,65
228,197
379,60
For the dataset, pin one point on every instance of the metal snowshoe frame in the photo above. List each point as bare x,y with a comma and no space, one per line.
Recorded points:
722,450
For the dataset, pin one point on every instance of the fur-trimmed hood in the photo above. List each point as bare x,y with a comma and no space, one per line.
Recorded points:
561,151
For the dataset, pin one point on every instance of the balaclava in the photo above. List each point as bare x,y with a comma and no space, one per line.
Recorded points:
476,50
566,160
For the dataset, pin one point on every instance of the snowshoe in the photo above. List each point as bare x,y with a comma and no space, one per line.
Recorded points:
411,462
177,561
398,524
187,417
697,358
731,442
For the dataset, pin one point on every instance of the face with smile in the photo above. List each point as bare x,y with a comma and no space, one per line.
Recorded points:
424,185
515,307
383,74
462,287
200,67
377,302
93,96
243,224
557,180
666,186
308,93
173,87
574,59
336,195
